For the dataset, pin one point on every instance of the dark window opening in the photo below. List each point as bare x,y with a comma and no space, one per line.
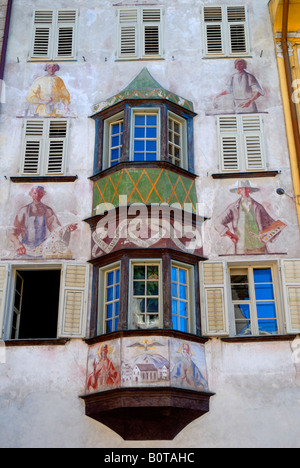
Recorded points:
36,303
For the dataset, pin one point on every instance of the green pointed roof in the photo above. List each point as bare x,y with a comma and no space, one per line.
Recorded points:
144,86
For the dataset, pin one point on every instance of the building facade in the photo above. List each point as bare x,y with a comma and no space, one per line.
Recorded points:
150,256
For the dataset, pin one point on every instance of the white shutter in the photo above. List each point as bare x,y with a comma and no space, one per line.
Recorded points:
57,143
236,19
229,143
42,34
4,273
214,299
152,32
33,146
214,33
65,35
291,286
253,142
73,301
128,31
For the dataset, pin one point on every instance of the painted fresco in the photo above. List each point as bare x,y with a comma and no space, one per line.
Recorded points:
37,232
48,95
188,365
240,95
139,361
250,227
103,367
145,362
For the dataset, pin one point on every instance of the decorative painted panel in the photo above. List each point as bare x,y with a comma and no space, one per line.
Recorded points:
143,361
144,186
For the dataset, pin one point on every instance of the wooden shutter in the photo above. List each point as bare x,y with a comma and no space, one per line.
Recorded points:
253,143
213,30
73,302
290,270
57,141
236,19
229,143
42,34
4,273
65,34
33,146
214,299
128,30
152,32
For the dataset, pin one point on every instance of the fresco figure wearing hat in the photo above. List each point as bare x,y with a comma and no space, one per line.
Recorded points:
33,224
244,221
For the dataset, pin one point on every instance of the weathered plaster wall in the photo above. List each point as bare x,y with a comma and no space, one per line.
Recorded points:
256,384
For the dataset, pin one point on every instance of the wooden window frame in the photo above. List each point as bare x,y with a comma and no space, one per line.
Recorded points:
44,140
136,38
240,137
126,109
53,38
190,272
101,327
225,37
73,290
252,302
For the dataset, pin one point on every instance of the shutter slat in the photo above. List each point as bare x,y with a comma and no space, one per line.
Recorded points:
34,133
291,283
73,313
214,292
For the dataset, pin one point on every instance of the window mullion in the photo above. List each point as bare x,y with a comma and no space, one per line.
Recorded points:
253,308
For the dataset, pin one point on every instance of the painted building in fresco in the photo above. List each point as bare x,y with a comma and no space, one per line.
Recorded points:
149,247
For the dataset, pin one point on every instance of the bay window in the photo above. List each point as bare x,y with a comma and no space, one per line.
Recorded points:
147,293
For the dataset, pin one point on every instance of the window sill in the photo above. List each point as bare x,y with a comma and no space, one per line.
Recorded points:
149,332
143,164
252,339
245,175
37,342
43,179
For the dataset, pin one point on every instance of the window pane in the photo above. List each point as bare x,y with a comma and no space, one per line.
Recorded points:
264,292
112,296
267,327
240,292
152,272
174,274
139,288
183,324
139,272
263,275
242,319
152,288
266,310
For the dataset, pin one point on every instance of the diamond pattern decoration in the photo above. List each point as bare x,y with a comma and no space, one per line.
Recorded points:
143,185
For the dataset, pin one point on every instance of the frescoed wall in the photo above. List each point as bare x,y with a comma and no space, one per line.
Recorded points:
37,231
241,92
48,95
143,361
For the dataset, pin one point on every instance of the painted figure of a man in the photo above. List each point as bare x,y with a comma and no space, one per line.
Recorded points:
244,221
244,88
34,223
49,94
